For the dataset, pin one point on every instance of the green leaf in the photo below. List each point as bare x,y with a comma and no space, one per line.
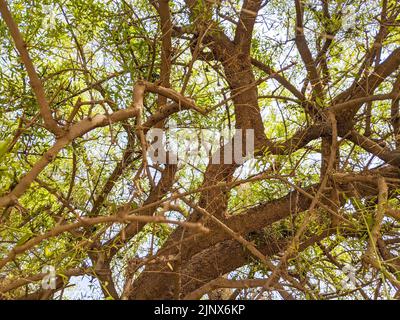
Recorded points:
3,147
24,239
48,252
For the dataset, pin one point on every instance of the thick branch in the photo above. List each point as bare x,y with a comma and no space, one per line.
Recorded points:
36,83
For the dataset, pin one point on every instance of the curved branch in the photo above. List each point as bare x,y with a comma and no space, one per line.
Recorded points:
36,83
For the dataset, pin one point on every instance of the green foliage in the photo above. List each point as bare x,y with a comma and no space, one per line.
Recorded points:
90,53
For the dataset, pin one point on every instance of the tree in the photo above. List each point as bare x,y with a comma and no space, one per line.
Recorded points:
314,215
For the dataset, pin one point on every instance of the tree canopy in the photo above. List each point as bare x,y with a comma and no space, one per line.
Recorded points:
314,214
